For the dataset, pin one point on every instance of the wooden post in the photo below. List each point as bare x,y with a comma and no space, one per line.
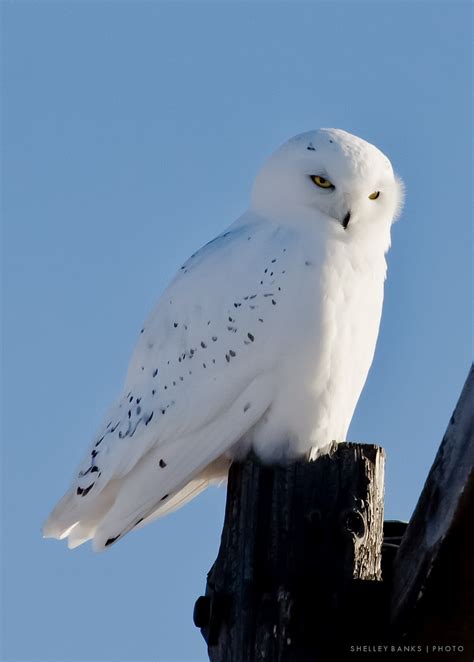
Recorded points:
298,574
297,577
432,600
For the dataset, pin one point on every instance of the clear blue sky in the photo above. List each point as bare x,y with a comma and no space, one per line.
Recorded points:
131,135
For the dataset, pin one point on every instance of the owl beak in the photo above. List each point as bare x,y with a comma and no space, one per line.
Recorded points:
346,220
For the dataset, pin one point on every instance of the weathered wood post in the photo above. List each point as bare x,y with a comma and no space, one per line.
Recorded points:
298,574
432,601
297,577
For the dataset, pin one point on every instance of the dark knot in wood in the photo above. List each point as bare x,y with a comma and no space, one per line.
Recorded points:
354,523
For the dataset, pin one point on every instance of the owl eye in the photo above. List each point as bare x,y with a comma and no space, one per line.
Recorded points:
321,182
374,195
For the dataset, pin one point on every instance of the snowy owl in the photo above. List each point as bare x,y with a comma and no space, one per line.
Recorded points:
263,341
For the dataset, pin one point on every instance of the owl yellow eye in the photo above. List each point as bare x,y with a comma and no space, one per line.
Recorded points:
374,195
321,182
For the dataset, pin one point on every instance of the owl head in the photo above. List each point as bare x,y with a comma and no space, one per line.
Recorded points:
331,179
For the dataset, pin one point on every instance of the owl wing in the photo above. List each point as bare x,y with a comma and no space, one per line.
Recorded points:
199,379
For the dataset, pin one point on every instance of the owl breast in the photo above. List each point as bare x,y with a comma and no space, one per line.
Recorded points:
328,329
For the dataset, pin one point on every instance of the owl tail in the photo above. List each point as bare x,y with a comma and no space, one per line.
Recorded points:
80,520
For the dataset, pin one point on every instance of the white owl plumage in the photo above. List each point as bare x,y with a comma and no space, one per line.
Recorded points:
263,340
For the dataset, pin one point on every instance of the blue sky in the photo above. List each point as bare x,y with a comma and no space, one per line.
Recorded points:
131,133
